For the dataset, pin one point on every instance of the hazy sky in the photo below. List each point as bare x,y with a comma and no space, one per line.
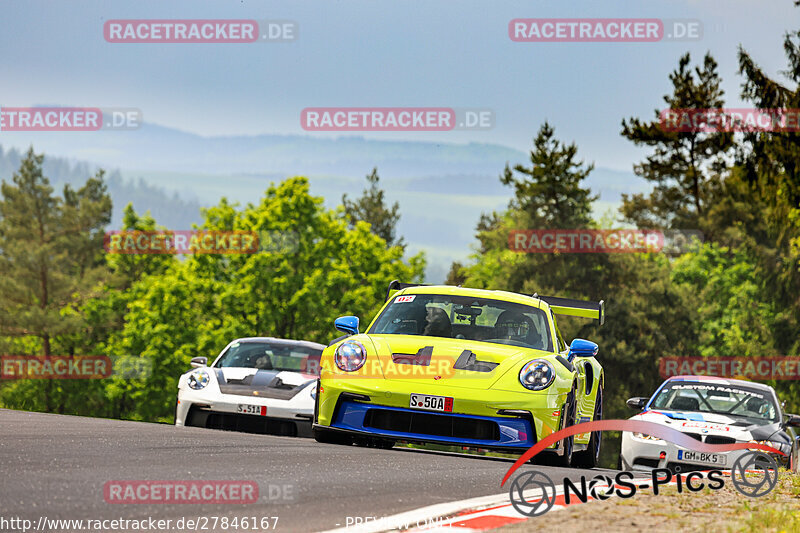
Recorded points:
379,53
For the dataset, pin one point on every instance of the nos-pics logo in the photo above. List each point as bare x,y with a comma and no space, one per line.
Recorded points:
533,493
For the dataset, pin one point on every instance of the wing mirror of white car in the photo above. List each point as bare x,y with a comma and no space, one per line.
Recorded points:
792,420
197,362
637,403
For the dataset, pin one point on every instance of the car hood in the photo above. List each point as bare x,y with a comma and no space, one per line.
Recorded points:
262,383
704,424
449,362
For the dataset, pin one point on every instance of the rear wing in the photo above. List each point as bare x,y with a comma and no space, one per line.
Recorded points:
398,285
580,308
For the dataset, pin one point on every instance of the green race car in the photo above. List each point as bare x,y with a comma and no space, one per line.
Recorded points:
465,367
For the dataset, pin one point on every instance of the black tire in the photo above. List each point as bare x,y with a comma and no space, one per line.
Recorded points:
552,458
565,459
569,442
546,459
326,436
590,457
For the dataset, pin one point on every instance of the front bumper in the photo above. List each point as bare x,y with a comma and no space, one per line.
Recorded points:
645,455
221,411
491,419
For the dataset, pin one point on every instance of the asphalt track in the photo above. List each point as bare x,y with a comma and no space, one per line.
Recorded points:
56,466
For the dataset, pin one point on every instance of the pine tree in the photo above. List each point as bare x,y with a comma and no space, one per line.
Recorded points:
50,255
550,191
372,208
684,165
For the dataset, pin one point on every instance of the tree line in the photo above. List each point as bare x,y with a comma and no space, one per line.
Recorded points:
735,294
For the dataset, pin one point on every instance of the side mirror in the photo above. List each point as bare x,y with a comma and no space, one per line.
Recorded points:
792,420
347,324
197,362
581,348
637,403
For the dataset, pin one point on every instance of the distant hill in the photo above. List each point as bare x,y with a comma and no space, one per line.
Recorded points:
157,148
442,188
168,208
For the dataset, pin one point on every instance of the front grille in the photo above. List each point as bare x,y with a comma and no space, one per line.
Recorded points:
243,423
282,393
695,436
644,461
714,439
455,427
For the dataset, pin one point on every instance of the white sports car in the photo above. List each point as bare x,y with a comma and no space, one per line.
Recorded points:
711,410
256,385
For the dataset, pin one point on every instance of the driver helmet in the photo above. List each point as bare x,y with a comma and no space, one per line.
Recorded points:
513,326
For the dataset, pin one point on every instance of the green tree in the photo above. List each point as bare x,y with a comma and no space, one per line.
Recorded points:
647,316
51,261
684,165
548,194
550,191
772,169
770,178
311,269
371,208
736,317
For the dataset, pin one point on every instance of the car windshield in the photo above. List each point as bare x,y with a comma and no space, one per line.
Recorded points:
292,357
731,400
465,317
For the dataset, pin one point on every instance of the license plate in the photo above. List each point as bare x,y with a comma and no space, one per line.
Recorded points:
252,409
431,403
702,457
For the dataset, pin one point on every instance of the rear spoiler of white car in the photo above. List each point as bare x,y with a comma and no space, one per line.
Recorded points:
579,308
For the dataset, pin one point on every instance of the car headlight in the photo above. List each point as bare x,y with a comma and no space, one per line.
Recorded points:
350,356
777,445
314,391
198,380
537,375
645,436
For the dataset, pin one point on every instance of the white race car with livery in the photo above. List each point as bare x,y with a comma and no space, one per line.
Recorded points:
712,410
255,385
